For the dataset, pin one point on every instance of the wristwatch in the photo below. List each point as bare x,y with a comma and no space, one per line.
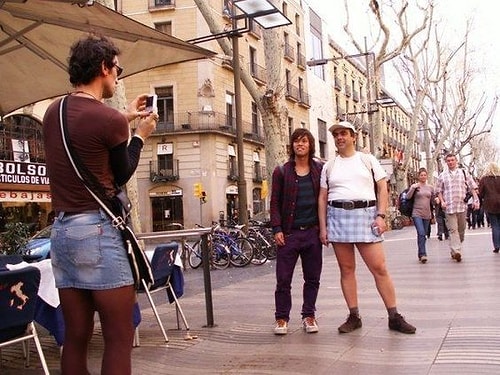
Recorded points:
381,215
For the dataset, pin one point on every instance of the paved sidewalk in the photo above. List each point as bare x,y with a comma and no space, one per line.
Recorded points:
453,305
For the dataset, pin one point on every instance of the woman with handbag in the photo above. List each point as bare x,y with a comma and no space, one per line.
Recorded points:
423,195
89,261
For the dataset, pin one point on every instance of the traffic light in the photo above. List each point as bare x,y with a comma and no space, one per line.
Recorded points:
203,197
197,190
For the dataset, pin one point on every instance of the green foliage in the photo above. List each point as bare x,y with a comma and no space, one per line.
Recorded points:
16,235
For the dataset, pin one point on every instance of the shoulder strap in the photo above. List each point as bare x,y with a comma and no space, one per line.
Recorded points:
465,178
329,167
90,182
366,161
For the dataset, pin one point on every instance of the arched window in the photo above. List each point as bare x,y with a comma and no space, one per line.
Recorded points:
21,139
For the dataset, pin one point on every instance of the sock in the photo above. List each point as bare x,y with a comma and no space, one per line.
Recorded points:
392,311
354,311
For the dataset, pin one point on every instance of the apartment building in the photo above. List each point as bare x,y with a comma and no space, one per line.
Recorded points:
194,148
343,87
195,140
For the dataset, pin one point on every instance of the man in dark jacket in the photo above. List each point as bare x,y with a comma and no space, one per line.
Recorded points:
294,219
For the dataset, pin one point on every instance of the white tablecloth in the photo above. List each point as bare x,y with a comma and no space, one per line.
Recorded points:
47,290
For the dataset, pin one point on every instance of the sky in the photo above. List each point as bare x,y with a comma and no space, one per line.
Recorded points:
452,16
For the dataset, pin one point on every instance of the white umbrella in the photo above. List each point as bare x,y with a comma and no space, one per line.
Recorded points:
36,35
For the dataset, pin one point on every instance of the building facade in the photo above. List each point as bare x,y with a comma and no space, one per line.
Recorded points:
195,140
188,171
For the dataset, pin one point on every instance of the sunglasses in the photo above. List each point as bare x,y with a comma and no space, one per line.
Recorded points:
119,70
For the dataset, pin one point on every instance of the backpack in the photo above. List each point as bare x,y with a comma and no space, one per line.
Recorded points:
405,205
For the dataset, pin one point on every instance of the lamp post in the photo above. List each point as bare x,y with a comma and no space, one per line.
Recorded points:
372,106
267,16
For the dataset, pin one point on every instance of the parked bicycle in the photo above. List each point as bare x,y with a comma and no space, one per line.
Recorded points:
241,250
263,241
218,253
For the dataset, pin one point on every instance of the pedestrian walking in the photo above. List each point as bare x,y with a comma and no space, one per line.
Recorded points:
294,220
452,187
423,196
442,229
352,215
89,260
489,191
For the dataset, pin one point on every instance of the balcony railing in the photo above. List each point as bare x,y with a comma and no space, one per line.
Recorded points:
161,173
301,61
257,174
355,96
289,52
258,73
232,172
292,92
209,121
347,90
337,84
304,99
161,4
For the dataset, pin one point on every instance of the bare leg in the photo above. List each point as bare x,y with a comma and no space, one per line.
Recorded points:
374,258
347,264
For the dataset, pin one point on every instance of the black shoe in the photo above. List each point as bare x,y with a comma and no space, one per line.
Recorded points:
440,238
398,323
496,250
353,322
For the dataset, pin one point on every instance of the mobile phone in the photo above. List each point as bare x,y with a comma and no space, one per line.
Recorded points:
151,103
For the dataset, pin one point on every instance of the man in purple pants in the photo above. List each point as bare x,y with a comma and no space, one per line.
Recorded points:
294,219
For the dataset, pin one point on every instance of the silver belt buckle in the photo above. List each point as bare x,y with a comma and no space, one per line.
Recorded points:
348,205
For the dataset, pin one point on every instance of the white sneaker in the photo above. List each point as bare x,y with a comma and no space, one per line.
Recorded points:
281,327
310,324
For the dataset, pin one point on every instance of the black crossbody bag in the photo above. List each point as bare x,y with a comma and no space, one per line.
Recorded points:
117,208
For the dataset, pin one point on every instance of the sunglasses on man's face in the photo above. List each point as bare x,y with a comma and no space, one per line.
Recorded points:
119,69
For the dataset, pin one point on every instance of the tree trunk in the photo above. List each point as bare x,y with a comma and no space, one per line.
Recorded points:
119,102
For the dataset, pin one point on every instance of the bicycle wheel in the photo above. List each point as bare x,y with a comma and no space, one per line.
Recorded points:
241,253
271,250
219,254
259,254
194,254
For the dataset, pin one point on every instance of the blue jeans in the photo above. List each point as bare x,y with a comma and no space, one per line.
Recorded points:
306,244
495,229
422,226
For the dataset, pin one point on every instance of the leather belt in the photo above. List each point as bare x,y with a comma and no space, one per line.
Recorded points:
351,205
304,227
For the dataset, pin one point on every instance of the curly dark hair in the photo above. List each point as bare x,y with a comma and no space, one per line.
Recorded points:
299,133
86,57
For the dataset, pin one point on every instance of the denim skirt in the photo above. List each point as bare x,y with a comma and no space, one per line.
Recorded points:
87,252
351,226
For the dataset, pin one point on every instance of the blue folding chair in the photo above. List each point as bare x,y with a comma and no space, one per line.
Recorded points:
18,294
163,268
